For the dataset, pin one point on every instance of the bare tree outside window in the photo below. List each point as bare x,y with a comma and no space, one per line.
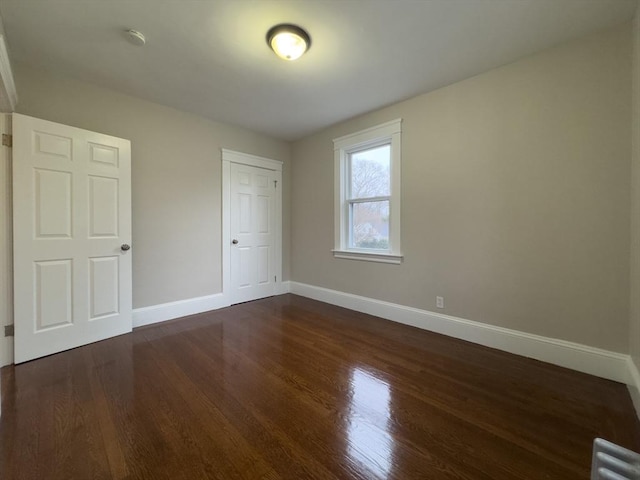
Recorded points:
369,200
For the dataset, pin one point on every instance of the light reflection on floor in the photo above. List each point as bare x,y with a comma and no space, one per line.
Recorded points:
370,445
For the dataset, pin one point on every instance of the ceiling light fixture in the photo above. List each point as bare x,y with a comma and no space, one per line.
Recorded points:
136,37
288,41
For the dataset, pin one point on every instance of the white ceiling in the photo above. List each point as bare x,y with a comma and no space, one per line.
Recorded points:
210,57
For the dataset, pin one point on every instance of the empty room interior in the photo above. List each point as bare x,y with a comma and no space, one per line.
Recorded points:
319,239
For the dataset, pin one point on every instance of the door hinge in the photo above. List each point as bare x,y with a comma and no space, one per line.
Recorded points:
8,330
275,278
7,140
275,184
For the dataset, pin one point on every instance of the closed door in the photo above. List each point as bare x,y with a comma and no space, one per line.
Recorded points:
72,234
253,232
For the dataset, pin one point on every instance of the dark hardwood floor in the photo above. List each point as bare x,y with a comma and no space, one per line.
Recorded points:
291,388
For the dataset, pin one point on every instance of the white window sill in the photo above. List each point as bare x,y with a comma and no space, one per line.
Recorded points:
368,256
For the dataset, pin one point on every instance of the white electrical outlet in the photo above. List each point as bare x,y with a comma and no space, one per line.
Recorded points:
440,302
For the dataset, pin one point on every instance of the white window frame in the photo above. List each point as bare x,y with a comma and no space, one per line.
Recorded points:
386,133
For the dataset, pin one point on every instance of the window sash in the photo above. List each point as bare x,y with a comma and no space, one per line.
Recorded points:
369,199
352,200
349,162
350,220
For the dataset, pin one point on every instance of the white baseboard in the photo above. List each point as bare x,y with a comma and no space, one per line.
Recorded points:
144,316
634,384
583,358
154,314
191,306
285,287
181,308
6,351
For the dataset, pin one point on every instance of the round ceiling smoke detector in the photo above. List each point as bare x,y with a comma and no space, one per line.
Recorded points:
136,37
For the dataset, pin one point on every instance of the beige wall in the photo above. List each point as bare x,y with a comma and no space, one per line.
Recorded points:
176,179
634,325
515,196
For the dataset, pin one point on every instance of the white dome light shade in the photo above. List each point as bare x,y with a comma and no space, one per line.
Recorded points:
136,37
288,41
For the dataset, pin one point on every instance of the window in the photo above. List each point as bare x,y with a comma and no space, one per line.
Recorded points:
367,203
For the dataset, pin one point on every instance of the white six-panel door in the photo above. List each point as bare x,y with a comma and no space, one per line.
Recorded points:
72,227
252,246
252,226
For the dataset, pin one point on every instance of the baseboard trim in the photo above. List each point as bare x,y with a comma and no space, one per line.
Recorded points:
583,358
634,383
6,351
285,287
181,308
154,314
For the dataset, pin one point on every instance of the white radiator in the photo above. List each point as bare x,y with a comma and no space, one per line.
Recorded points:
612,462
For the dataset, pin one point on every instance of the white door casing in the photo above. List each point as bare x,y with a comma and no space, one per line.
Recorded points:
72,214
252,217
6,250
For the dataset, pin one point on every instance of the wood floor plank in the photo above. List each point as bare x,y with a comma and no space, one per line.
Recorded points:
291,388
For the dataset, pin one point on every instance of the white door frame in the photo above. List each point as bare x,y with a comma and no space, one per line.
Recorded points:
6,245
229,157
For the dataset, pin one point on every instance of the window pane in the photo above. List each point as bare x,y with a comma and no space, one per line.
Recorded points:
370,225
370,172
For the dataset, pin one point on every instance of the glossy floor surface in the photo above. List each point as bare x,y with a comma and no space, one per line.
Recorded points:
291,388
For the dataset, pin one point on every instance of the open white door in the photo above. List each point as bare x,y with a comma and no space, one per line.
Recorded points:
72,230
252,222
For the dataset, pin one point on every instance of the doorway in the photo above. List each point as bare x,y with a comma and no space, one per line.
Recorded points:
252,226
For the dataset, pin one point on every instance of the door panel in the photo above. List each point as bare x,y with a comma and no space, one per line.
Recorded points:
104,155
263,264
53,294
47,144
103,207
244,267
244,213
52,203
72,212
263,219
103,291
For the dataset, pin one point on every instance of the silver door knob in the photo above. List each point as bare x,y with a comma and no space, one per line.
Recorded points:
124,247
234,241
